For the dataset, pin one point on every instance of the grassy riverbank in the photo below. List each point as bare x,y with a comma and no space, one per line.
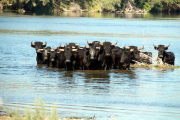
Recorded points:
38,112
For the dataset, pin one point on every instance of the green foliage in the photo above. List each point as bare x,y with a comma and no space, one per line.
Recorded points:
123,3
140,3
157,7
146,6
48,6
40,112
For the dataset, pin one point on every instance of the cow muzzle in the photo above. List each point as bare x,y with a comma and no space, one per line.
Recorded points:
107,55
160,56
92,58
67,61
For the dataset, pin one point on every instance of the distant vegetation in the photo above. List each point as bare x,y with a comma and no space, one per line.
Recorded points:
48,6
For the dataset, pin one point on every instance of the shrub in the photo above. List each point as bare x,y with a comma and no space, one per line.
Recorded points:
157,7
146,6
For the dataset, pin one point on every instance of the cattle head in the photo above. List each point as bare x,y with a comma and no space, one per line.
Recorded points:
135,52
93,44
73,45
52,55
93,50
107,46
38,45
68,52
161,49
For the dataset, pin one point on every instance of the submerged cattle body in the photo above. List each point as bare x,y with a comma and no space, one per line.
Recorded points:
122,59
124,63
69,57
166,57
105,55
98,55
45,54
39,46
52,58
80,58
134,50
114,56
94,49
60,62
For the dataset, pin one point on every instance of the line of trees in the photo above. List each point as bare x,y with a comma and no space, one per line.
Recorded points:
45,6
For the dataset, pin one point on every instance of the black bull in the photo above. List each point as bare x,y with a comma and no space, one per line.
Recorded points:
38,46
166,57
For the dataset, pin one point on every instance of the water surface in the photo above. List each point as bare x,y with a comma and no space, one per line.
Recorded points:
137,93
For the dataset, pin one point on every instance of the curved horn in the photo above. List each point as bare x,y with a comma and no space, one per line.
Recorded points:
98,48
101,43
155,46
131,50
167,46
141,48
61,49
74,49
32,43
44,44
114,43
86,47
89,42
126,47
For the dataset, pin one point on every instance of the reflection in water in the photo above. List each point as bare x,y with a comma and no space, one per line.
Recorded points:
137,93
126,73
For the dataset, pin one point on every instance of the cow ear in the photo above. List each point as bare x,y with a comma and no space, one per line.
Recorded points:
166,48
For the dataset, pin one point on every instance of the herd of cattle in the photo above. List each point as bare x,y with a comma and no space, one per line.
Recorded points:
97,55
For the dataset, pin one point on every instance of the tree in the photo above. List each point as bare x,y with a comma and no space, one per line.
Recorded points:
157,7
146,6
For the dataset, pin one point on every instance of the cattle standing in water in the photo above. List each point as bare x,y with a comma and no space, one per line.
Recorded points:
94,47
52,58
60,63
69,54
166,57
39,46
122,58
80,56
105,55
114,56
135,56
44,52
125,60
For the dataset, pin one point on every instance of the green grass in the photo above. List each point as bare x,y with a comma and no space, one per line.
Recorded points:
39,112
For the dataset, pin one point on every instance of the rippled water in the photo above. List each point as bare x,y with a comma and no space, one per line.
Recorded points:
137,93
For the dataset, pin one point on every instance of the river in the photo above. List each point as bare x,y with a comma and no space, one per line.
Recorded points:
139,93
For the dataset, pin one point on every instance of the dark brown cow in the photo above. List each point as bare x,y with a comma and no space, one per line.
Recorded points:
167,57
38,46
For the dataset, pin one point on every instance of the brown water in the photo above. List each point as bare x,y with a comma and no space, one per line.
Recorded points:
137,93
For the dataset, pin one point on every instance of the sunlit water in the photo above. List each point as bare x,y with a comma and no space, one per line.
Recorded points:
138,93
